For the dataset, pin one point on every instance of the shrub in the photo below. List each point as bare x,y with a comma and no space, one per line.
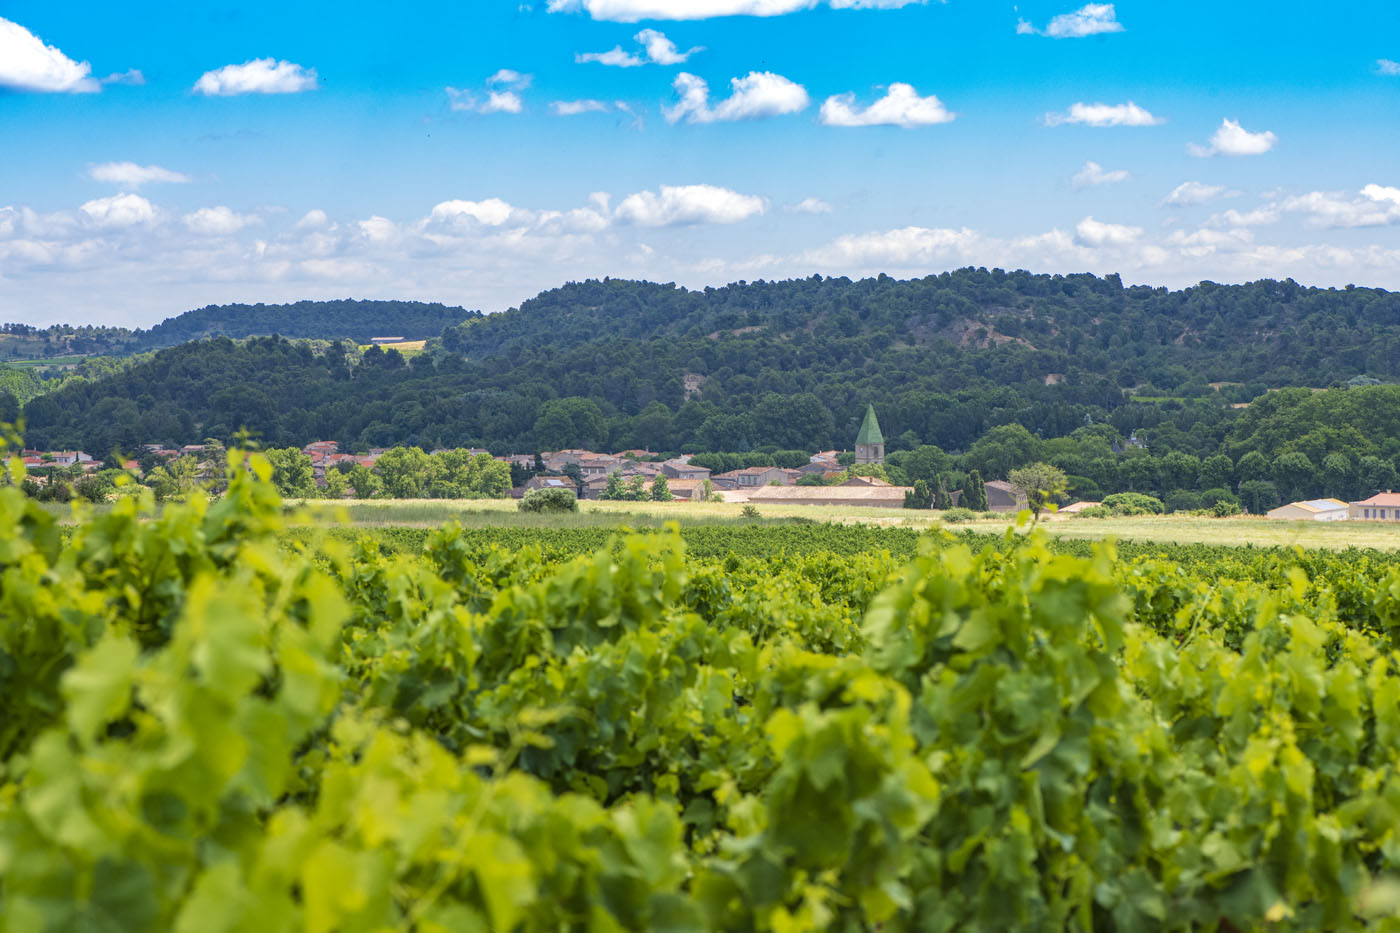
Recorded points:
749,511
958,515
1133,503
1211,497
1095,511
1225,508
1183,500
549,500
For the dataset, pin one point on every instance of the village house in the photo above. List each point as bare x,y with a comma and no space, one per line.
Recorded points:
1313,510
753,477
1001,497
545,482
600,465
1383,506
681,468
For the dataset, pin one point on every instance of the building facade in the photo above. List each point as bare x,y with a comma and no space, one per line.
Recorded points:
870,443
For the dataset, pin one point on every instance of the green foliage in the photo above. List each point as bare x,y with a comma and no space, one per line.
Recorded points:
920,497
1133,503
661,489
974,493
1040,483
548,500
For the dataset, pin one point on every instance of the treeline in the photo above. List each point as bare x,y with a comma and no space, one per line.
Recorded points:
359,321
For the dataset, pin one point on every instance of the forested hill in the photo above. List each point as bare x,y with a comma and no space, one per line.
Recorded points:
1278,332
344,319
617,364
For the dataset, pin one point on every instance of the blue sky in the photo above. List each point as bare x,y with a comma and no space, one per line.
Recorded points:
176,155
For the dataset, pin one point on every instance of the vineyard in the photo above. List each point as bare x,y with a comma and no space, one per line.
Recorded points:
213,721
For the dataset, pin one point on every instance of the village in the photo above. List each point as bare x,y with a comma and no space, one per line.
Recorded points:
827,479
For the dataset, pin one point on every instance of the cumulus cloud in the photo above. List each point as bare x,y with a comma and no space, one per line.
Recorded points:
27,63
569,108
131,175
501,94
1387,66
655,48
1374,206
1192,193
492,212
905,246
756,95
1091,232
685,205
259,76
313,219
1231,139
630,11
1096,114
1092,19
1093,174
810,206
217,221
901,106
121,210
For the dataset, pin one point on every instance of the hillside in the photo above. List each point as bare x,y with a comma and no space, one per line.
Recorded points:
616,364
314,320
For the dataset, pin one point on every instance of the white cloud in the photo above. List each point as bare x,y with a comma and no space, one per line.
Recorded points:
259,76
313,219
492,212
1387,66
810,206
758,94
1375,206
1234,140
1096,114
217,221
656,48
1093,174
1090,232
662,50
906,246
1192,193
120,210
569,108
132,77
901,106
1232,218
378,230
685,205
1092,19
614,56
630,11
502,94
131,175
28,64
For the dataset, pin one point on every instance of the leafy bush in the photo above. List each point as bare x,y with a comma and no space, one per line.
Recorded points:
1183,500
959,514
549,500
1133,503
1210,497
749,511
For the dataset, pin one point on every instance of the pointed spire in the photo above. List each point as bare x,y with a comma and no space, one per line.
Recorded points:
870,428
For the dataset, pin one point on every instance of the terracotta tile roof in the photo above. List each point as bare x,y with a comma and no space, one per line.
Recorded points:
1387,498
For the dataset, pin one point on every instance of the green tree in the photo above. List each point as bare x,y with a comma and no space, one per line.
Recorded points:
974,492
636,490
1216,472
337,485
570,422
920,497
1040,483
661,489
364,481
1258,495
407,472
1001,450
942,499
292,472
613,489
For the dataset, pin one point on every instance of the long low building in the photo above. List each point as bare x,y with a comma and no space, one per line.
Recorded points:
878,497
1313,510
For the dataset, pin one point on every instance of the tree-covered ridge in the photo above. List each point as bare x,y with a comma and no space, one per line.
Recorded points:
1279,333
314,320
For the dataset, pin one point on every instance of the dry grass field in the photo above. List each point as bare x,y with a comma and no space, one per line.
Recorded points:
1168,528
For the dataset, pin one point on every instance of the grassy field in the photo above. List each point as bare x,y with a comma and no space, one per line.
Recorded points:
1176,529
